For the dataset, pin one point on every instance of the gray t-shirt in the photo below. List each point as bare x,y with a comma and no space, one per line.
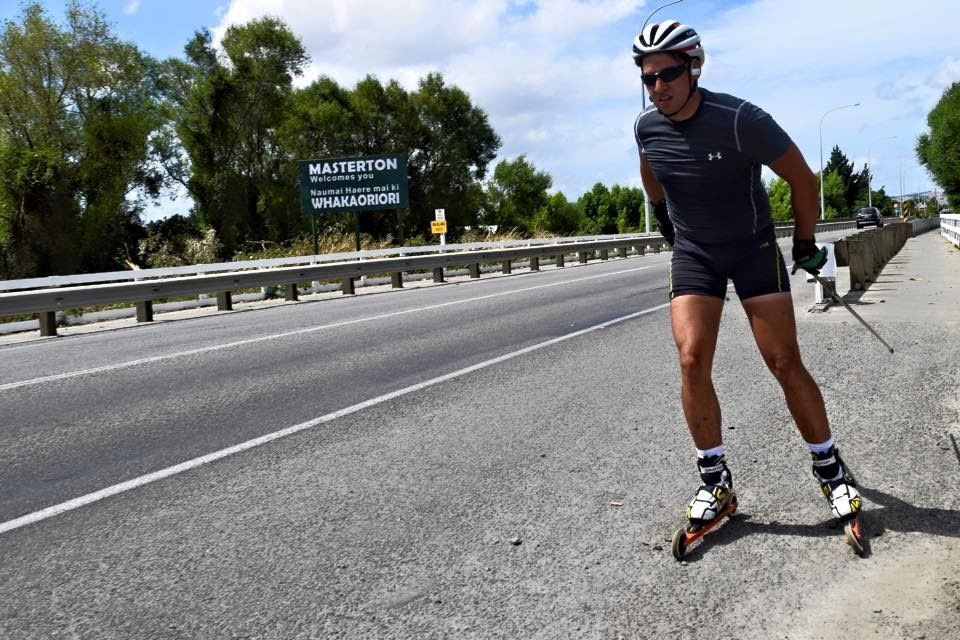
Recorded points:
709,166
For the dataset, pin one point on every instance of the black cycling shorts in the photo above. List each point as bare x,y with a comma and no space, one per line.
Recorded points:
755,265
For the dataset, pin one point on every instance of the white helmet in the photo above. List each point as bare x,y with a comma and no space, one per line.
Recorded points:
669,36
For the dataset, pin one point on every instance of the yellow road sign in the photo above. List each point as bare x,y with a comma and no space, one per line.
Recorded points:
438,226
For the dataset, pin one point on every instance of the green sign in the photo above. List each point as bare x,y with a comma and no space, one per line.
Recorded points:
366,183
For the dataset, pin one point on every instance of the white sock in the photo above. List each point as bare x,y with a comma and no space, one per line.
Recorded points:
716,451
821,448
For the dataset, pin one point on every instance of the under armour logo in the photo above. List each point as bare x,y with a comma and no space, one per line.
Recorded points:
714,156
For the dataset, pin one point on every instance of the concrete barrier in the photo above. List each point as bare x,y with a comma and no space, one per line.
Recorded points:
867,252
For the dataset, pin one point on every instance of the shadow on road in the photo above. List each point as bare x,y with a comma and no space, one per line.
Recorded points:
897,515
886,513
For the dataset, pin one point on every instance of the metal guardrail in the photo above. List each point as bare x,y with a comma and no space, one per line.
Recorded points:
950,227
145,286
290,261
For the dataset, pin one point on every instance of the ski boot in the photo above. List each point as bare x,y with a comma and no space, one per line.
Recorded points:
840,489
714,501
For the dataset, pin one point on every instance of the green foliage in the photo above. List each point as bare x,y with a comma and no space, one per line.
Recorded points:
79,107
854,184
515,195
939,150
781,206
628,203
227,114
559,216
834,196
448,141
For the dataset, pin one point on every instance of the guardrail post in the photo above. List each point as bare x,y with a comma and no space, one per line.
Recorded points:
438,274
48,323
623,251
604,254
507,266
474,268
534,263
559,259
145,311
396,279
290,292
346,285
224,301
641,249
582,256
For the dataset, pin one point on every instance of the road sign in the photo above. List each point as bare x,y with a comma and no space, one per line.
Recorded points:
438,226
366,183
440,214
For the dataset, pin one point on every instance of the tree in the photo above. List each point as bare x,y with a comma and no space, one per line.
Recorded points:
516,194
834,201
559,216
78,108
781,205
448,142
854,184
939,150
628,203
598,210
229,111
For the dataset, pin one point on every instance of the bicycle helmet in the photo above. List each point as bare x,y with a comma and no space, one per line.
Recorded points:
669,36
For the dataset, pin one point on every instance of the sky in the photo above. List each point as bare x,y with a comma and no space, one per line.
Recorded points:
558,83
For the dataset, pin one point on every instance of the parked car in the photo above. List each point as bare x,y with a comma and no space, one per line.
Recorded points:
868,216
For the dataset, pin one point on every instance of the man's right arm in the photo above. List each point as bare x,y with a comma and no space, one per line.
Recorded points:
658,198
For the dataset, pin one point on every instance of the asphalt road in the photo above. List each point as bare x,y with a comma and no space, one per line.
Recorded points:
435,426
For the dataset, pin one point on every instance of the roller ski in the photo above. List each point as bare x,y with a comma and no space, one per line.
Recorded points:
714,502
840,489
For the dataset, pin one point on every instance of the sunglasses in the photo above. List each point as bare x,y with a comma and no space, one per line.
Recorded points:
667,75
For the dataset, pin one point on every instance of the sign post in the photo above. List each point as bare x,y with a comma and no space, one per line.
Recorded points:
439,225
365,183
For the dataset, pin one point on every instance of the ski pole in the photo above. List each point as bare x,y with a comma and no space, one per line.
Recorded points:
856,315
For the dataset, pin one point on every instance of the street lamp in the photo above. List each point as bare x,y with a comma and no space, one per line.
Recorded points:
870,169
643,103
823,213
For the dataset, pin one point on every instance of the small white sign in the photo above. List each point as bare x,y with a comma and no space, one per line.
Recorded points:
439,214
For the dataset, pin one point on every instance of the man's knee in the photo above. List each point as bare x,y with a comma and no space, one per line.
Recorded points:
784,364
695,362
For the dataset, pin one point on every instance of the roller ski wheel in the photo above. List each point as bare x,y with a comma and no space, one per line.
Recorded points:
687,535
853,534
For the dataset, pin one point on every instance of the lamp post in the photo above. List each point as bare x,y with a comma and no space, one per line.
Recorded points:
643,103
823,213
870,169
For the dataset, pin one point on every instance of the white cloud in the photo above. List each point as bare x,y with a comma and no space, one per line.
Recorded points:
131,7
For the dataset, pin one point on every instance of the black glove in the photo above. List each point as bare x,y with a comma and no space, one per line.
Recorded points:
663,219
807,256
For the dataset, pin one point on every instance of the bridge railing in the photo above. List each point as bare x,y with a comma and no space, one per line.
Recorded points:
46,296
950,227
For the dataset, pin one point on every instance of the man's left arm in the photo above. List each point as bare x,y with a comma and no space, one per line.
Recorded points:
804,196
804,190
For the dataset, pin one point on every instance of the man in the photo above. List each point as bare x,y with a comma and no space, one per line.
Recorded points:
700,161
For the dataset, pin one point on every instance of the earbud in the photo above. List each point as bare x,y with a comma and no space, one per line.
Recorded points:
694,72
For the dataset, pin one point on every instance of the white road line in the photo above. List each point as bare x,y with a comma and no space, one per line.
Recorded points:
240,343
96,496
